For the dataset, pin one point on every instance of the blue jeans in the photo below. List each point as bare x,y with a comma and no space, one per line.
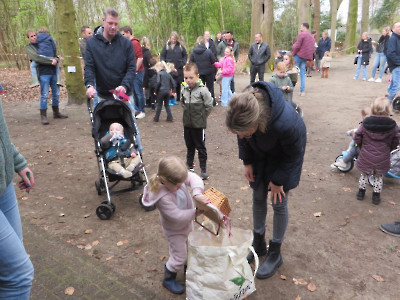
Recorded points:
380,60
226,90
394,86
34,75
16,269
359,67
138,90
301,63
45,82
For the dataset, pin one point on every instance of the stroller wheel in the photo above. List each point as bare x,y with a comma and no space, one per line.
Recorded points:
348,167
98,187
109,204
146,208
104,211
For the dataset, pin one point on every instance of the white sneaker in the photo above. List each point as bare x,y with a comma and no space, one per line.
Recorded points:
141,115
364,79
371,79
378,80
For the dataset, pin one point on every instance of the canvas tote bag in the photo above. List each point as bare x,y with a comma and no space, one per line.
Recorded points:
217,265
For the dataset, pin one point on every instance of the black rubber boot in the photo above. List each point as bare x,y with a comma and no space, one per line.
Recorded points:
376,198
57,114
43,117
360,194
169,282
272,262
259,246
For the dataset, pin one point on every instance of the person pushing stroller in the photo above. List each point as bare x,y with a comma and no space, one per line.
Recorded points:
115,146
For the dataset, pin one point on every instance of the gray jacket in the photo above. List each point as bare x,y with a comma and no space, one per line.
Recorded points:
259,56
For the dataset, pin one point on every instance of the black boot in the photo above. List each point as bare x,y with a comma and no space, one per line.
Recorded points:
259,246
360,194
169,282
272,262
43,117
57,114
376,198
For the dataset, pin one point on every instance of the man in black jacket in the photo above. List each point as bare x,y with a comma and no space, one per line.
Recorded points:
109,60
259,54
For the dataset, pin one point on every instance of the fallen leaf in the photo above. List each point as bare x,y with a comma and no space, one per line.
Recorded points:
24,198
237,201
69,291
120,243
88,247
83,206
346,189
300,281
392,202
378,278
370,211
138,251
86,216
95,243
59,197
355,215
318,214
283,277
298,297
244,187
162,257
80,246
311,287
109,258
88,231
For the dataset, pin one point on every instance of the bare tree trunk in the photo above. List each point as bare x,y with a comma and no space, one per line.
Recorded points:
303,12
365,16
66,32
350,40
222,15
335,4
317,18
262,20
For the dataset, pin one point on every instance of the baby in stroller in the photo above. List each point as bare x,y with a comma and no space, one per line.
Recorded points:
120,152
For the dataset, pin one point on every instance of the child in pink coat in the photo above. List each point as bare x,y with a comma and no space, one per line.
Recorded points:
227,65
168,191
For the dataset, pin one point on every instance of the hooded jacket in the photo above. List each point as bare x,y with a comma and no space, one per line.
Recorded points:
176,218
197,105
204,59
323,46
11,161
365,46
109,64
393,51
45,46
276,155
280,82
376,137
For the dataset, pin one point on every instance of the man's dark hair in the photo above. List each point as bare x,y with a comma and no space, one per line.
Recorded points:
306,25
152,62
229,31
126,29
112,12
83,28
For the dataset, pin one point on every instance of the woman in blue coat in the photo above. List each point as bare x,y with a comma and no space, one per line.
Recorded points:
324,44
272,141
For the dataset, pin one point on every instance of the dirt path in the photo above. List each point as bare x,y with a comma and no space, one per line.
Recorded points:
340,252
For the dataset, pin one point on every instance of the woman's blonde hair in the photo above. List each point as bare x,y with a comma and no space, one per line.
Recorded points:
247,110
381,106
171,169
145,42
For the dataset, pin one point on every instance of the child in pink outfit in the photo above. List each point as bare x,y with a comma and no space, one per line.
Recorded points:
227,65
168,191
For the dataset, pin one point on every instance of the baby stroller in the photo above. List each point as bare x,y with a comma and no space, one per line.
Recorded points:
104,114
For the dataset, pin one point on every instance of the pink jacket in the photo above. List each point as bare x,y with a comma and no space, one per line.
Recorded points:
174,219
304,45
227,65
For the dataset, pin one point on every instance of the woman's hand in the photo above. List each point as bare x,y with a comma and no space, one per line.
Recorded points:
276,192
28,181
248,173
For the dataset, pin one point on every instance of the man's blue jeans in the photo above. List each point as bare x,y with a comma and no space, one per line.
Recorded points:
138,90
380,60
16,269
47,81
394,86
301,63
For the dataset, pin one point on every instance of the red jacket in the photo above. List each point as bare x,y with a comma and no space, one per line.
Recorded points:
304,45
138,52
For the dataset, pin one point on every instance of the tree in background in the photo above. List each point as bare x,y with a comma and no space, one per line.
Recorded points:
365,16
303,12
387,14
317,18
335,4
65,16
350,40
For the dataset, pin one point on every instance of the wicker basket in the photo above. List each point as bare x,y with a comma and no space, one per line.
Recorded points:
219,200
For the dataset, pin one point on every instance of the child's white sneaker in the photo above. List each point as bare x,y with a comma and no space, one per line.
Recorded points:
340,164
371,79
378,80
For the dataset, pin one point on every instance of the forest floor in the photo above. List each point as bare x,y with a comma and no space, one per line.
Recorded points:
332,241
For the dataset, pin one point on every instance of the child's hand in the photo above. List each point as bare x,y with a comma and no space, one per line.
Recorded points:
202,198
133,154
